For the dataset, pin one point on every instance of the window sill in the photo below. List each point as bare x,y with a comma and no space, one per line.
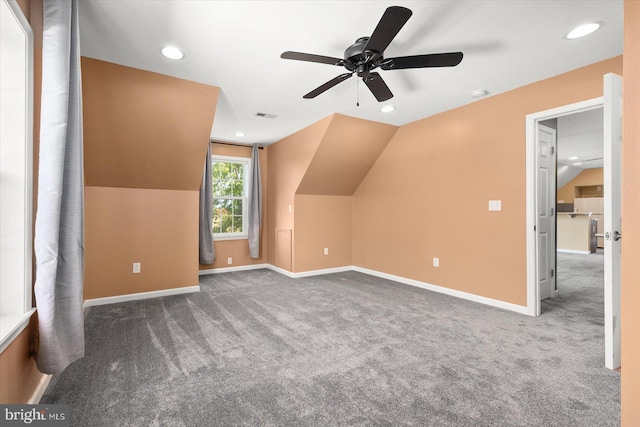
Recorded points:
11,325
219,238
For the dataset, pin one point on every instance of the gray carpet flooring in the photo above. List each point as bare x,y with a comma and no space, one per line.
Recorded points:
257,348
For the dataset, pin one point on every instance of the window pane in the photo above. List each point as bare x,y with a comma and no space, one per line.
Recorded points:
225,176
226,224
237,222
228,195
237,207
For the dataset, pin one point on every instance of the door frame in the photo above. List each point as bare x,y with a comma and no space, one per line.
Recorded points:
533,292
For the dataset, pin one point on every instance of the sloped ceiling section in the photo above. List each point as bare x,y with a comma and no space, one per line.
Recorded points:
143,129
348,149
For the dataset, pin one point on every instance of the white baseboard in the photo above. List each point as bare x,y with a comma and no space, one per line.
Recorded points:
311,272
232,269
428,286
276,269
459,294
40,389
141,295
571,251
281,271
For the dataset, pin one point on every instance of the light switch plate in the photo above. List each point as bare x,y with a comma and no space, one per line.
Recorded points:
495,205
136,267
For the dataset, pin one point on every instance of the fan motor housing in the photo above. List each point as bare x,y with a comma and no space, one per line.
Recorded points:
357,56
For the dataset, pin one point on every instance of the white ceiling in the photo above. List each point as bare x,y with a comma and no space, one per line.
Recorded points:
236,45
580,135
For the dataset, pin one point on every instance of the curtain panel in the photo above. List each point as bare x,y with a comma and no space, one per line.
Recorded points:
59,227
255,204
207,250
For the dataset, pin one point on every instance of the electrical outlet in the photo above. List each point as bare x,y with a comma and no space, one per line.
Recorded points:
326,251
136,267
436,262
229,261
495,205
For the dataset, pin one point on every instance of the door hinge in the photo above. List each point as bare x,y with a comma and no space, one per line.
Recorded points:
553,150
552,211
534,228
552,272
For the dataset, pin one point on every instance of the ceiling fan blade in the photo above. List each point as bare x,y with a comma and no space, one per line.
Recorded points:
378,87
328,85
390,24
299,56
422,61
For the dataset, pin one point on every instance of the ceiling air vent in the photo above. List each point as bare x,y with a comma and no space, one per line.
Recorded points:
266,115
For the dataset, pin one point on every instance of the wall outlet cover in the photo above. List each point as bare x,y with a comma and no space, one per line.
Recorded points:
436,262
136,267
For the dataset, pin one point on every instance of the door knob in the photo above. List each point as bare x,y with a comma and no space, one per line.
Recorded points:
617,236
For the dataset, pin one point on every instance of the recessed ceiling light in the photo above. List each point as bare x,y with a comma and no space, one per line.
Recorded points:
573,158
480,93
583,30
577,164
239,134
387,108
172,52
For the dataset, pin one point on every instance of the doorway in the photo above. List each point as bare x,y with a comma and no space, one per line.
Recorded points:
580,209
538,248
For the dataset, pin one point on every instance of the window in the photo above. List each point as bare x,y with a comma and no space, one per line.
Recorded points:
230,196
16,158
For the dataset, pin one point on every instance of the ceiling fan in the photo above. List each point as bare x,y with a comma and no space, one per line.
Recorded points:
367,54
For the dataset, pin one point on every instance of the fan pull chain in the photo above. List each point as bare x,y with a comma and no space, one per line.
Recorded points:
357,92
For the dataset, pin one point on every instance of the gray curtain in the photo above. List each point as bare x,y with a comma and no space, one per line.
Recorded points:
59,228
255,204
207,251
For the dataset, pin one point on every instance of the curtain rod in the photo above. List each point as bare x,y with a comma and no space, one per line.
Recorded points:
260,147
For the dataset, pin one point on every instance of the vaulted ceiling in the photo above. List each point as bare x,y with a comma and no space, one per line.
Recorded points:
236,46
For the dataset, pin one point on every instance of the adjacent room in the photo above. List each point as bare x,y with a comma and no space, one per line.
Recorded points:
321,213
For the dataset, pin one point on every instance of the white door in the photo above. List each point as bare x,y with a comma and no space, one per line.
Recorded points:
612,217
545,211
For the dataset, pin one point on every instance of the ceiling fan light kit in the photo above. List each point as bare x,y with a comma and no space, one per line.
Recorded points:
367,54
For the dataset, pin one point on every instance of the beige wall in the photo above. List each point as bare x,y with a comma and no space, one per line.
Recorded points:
592,176
289,159
158,228
312,175
143,129
322,222
630,317
145,142
427,195
18,372
346,153
238,250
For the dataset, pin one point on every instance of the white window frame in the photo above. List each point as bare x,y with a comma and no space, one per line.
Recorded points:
246,171
16,157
